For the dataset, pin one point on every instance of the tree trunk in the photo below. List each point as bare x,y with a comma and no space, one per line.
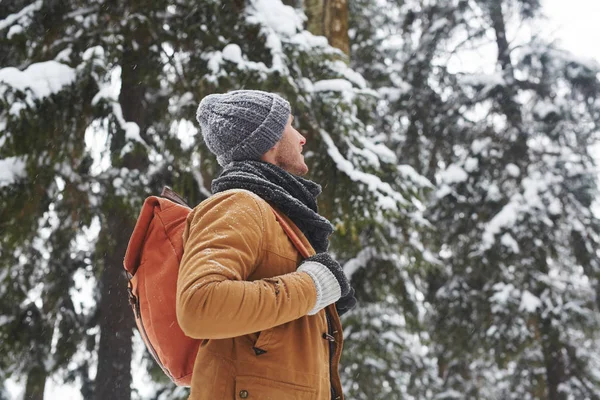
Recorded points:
113,379
36,383
329,18
553,360
116,318
507,100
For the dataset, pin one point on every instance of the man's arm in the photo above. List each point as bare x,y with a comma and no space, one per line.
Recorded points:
223,248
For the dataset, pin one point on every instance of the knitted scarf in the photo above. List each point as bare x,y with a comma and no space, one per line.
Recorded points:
296,197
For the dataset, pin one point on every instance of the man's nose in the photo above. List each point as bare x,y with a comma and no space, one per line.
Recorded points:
302,139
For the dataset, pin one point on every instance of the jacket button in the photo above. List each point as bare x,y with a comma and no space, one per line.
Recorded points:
244,394
327,336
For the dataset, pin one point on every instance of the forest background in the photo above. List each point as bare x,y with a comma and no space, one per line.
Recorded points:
455,141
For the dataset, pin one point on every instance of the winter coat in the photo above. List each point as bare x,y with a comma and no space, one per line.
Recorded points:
238,289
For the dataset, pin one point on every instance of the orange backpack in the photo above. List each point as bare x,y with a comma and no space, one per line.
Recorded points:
152,265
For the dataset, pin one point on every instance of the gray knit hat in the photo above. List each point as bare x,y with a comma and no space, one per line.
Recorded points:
243,124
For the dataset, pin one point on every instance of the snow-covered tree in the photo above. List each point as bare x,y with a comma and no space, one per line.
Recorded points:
97,106
81,95
516,312
502,122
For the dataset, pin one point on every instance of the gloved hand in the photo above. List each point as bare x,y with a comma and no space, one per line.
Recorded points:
346,303
329,279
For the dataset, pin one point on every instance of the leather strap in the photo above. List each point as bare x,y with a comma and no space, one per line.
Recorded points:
170,194
291,234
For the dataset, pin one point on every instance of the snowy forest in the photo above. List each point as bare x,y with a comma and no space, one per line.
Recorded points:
455,143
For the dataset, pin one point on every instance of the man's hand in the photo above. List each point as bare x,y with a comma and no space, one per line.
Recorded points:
329,278
346,303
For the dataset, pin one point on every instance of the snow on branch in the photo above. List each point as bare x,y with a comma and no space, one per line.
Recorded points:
284,24
12,18
11,169
332,85
535,189
360,261
281,18
39,80
387,196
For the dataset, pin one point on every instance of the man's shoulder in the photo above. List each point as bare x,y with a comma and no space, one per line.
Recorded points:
232,200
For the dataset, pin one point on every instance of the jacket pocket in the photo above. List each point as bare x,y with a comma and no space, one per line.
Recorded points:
252,387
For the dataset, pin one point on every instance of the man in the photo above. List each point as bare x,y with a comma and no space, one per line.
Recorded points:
268,317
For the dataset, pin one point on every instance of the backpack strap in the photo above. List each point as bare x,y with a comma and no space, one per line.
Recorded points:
291,234
170,194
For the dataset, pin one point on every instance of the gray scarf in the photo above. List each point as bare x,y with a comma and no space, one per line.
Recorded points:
296,197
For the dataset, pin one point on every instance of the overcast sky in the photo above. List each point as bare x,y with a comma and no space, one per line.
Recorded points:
577,24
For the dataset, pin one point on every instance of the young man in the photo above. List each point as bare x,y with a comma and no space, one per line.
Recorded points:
268,317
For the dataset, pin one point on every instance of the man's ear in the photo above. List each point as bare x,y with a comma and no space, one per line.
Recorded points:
269,156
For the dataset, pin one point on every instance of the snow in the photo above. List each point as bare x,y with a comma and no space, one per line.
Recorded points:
332,85
513,170
439,24
488,81
282,19
82,292
471,164
443,191
506,218
132,130
508,241
453,174
533,186
97,145
409,172
480,145
529,302
279,22
503,293
197,174
305,41
387,196
14,30
64,56
186,131
392,94
555,207
232,52
360,261
380,150
39,80
493,192
215,59
95,52
11,170
349,74
543,109
110,89
12,18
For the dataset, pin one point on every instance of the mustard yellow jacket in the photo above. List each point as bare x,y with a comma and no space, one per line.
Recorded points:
238,289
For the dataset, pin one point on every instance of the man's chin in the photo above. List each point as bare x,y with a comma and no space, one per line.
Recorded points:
303,170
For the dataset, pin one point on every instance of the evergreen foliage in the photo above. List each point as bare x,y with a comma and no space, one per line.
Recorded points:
462,188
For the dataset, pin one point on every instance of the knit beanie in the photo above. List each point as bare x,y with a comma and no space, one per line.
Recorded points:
243,124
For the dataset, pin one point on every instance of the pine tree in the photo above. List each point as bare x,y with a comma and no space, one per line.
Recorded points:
491,144
368,198
85,153
56,101
515,311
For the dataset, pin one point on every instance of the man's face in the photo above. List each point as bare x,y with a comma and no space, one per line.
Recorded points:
287,153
